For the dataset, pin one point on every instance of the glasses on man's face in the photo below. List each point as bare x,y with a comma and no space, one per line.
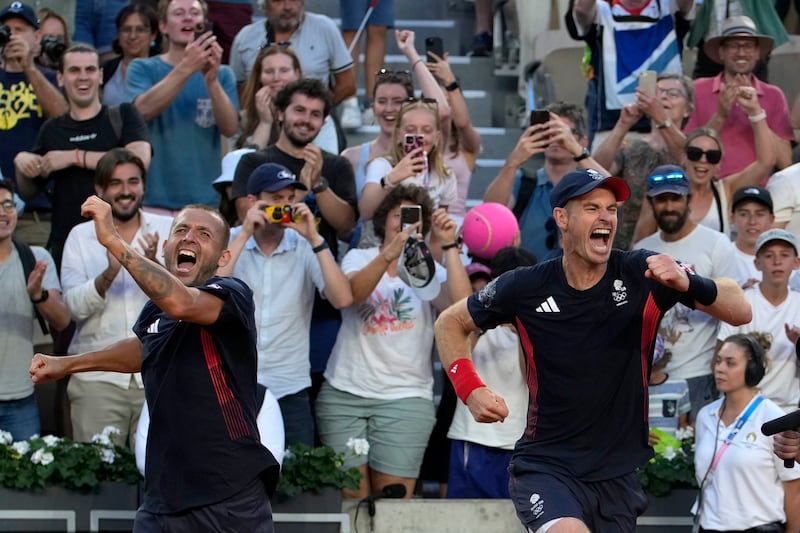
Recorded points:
660,179
669,93
9,206
552,233
693,153
747,46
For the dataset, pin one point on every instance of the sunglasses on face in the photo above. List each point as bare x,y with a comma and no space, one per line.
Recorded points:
386,75
660,179
693,153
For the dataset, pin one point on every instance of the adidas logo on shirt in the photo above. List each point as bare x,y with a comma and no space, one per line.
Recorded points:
153,328
548,306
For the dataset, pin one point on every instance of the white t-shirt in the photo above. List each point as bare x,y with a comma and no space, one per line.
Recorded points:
781,383
383,349
784,187
442,190
690,334
496,358
746,488
748,263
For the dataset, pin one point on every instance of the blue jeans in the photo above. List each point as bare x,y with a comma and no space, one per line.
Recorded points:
20,417
298,422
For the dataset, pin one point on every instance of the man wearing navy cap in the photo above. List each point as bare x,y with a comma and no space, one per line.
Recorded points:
283,258
689,333
29,95
587,323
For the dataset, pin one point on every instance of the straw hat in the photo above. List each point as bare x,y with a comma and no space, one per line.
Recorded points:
738,26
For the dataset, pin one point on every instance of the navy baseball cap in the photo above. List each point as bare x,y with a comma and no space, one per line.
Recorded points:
585,180
271,177
20,10
667,178
752,193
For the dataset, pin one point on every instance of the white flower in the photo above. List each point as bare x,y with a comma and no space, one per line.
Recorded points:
357,446
5,438
111,430
684,433
22,447
41,457
51,440
669,453
288,454
107,456
102,439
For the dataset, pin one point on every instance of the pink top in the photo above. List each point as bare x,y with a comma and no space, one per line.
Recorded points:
463,176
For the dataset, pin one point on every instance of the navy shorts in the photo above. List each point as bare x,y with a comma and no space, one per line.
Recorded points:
610,506
248,510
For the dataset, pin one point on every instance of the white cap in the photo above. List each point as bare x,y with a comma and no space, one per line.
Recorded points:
417,269
229,163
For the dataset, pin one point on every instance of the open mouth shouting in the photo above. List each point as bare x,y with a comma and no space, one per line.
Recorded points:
186,261
600,239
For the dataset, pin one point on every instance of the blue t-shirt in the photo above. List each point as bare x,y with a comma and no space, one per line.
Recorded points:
200,383
538,237
185,137
587,355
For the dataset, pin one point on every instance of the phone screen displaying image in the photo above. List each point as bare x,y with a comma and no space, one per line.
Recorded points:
409,215
412,142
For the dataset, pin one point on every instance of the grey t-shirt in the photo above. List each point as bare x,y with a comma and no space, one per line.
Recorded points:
17,322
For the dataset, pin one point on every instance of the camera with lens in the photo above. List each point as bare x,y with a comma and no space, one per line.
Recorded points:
53,48
5,34
278,214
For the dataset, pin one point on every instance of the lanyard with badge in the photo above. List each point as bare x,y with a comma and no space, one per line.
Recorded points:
721,451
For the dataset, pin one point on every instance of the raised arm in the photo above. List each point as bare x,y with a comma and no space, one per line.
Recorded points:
532,141
721,298
760,169
167,291
123,356
584,12
427,83
469,137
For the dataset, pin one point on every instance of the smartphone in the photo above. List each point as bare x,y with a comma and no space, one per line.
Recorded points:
647,81
412,142
201,28
435,45
539,116
410,215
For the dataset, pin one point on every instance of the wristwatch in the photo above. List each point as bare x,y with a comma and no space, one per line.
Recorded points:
452,86
583,155
42,298
322,186
664,125
386,184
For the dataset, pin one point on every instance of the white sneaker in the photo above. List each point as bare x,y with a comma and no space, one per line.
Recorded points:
350,117
368,117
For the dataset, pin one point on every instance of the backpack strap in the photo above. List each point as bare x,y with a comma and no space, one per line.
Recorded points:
28,263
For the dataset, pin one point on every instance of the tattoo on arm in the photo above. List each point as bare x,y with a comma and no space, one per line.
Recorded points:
154,280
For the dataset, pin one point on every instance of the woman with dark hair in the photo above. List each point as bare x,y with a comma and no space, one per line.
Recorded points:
137,37
379,379
743,486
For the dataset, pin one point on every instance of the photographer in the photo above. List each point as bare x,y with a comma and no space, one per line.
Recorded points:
53,37
31,96
280,254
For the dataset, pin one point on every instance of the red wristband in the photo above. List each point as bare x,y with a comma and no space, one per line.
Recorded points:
78,158
464,378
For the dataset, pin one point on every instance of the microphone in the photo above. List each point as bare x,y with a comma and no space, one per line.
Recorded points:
785,423
395,490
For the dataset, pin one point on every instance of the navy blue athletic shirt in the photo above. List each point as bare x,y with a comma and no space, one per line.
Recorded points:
587,356
200,383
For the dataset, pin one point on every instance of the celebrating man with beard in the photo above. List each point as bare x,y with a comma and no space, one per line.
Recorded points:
105,300
690,334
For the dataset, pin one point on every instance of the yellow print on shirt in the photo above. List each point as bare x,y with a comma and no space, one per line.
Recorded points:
385,315
17,103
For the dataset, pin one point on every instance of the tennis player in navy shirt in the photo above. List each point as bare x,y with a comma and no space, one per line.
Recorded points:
587,323
195,345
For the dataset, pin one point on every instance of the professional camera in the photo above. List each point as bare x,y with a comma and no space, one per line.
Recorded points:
278,214
53,48
5,34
